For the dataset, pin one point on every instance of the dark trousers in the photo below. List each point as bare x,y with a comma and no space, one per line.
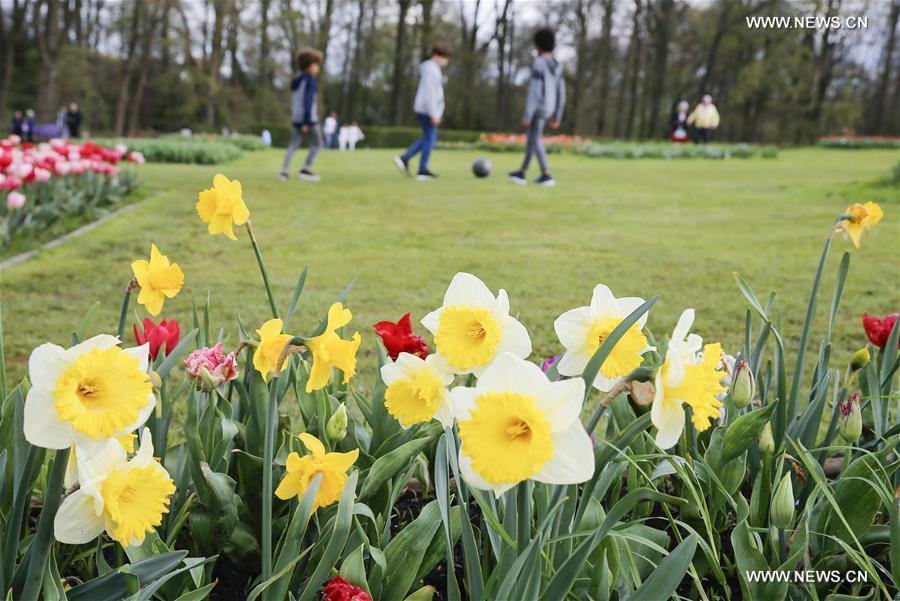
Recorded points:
534,145
702,135
425,144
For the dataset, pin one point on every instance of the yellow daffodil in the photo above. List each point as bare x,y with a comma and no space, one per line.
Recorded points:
301,471
417,389
582,330
222,206
330,350
690,374
859,218
271,345
87,393
125,497
158,280
516,425
473,327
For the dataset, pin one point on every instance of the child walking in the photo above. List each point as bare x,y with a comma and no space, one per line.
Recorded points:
304,114
544,106
429,108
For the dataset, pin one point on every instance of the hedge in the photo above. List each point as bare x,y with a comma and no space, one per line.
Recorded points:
377,136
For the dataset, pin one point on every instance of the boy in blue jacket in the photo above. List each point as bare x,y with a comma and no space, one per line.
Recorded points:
304,113
544,106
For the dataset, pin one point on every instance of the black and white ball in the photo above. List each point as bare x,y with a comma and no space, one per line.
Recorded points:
481,167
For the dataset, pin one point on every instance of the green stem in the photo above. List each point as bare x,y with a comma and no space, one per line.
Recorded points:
262,269
2,358
123,312
40,547
267,490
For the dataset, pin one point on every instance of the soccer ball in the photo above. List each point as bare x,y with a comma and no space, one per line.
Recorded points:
481,167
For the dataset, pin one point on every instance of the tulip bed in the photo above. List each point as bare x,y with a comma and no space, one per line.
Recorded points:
58,181
631,465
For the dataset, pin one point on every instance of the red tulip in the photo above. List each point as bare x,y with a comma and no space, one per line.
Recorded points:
341,590
878,330
166,332
399,338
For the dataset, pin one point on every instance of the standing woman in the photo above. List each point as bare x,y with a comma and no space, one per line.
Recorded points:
705,118
678,125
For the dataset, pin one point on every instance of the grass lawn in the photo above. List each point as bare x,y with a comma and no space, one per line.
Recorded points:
677,228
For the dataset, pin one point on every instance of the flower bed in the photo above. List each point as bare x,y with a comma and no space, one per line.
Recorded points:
45,183
496,142
201,150
464,464
859,142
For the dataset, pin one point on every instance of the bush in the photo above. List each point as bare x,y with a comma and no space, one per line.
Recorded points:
667,150
859,142
178,149
377,136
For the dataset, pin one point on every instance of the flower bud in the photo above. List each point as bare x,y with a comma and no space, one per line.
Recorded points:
210,368
766,443
781,511
859,359
336,428
155,380
742,384
850,420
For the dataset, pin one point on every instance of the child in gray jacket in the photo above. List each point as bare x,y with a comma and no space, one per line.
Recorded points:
544,106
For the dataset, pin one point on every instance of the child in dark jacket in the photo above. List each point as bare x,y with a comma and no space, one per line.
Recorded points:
304,113
544,106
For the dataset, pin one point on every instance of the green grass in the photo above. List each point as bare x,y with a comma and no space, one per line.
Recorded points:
642,227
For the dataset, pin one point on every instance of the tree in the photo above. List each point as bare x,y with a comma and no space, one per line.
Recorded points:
399,55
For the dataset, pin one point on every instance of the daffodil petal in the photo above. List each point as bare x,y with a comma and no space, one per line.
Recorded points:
42,425
466,289
628,304
571,326
462,401
573,457
313,444
561,403
473,479
45,365
76,521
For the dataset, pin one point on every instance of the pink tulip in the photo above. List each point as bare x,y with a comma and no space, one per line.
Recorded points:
209,368
15,200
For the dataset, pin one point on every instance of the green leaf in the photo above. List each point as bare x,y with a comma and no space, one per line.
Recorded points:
114,586
426,593
387,466
404,553
668,574
336,541
743,432
197,594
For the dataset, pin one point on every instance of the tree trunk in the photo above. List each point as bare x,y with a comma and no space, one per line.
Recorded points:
394,114
884,79
353,90
662,13
635,70
504,51
606,50
582,16
128,68
49,40
427,14
265,78
216,56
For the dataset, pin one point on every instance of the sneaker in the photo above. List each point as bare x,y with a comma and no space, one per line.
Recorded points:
517,177
283,176
545,180
402,165
425,175
308,175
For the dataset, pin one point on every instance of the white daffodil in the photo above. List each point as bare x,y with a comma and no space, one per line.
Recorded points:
417,389
582,330
125,497
473,327
516,425
87,393
690,374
